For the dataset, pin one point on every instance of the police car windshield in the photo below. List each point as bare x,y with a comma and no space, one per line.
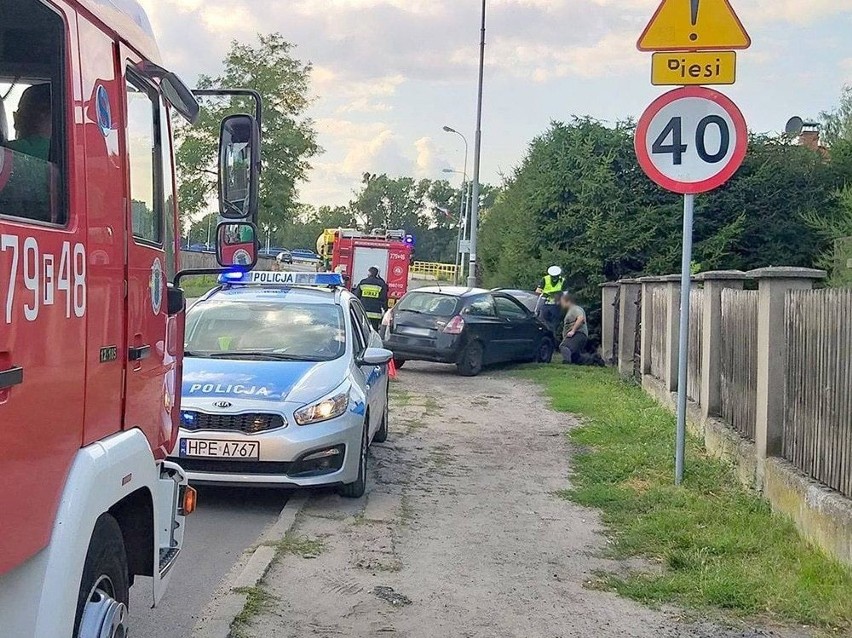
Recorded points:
257,329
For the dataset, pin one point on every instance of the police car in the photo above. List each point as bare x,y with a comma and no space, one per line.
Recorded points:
285,383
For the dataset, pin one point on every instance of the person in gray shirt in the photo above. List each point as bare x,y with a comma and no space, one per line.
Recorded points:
575,334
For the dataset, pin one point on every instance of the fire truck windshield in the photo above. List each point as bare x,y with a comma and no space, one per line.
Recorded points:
32,147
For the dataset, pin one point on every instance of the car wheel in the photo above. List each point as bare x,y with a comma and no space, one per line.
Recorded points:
382,433
545,351
398,363
357,489
470,360
104,589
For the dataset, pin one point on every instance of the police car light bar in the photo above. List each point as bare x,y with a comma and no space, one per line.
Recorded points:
270,278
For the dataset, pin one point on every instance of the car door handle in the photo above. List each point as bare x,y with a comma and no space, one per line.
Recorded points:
140,353
11,377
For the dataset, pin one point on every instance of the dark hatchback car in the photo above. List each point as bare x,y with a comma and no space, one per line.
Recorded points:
468,327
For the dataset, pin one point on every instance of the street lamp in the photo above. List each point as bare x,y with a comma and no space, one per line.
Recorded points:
464,191
477,156
462,204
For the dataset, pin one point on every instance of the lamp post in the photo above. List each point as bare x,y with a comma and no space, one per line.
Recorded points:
462,205
462,234
477,156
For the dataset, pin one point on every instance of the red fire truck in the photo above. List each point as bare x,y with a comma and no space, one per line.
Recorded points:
91,330
354,253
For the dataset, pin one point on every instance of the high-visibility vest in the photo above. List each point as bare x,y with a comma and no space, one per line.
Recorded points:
552,286
368,291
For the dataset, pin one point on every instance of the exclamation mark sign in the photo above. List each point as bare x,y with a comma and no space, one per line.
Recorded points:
694,17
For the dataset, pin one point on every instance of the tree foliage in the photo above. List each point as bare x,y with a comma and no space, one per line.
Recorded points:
837,123
289,139
580,200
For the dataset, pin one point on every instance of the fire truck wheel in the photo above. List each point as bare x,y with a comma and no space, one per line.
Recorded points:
104,589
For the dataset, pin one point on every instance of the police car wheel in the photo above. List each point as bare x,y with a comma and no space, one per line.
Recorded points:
104,590
357,489
470,360
382,433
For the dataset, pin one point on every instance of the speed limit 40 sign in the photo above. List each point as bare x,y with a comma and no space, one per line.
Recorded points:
691,140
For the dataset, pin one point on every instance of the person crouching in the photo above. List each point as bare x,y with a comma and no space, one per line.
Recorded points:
575,334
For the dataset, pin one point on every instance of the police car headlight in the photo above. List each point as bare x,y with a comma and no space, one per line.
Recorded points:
329,408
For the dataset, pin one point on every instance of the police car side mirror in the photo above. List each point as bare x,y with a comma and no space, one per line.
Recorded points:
236,245
239,168
376,357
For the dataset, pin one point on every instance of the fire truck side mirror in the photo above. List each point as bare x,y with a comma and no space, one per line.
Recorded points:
239,168
236,245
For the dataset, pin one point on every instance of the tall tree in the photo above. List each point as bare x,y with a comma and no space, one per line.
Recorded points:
289,138
837,123
580,200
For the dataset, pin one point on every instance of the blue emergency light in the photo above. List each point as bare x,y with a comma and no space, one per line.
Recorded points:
271,278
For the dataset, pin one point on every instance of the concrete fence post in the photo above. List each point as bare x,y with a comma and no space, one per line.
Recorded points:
628,320
649,284
711,348
609,293
772,354
672,327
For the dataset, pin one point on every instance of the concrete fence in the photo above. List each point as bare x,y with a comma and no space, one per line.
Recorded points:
769,381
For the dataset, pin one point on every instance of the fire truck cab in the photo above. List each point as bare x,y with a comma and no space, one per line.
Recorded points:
91,330
352,253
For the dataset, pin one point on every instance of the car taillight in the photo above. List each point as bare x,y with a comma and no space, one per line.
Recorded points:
455,326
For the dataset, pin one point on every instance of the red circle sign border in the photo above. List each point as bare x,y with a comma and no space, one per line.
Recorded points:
691,188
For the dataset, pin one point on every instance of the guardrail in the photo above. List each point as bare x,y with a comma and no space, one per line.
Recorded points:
443,272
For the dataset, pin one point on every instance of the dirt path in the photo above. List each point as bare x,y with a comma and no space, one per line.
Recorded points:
461,534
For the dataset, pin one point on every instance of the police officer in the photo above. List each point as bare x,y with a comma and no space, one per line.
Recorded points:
373,293
551,288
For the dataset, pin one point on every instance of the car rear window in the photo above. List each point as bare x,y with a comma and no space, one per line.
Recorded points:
429,303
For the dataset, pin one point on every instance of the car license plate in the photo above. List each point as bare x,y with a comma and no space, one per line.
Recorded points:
248,450
416,332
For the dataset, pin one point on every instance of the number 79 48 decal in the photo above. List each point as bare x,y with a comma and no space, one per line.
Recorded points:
35,279
691,140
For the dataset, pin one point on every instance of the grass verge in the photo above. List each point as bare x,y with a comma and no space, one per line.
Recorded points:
719,545
197,285
258,600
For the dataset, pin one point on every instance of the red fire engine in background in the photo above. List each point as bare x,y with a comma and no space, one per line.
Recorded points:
353,253
91,330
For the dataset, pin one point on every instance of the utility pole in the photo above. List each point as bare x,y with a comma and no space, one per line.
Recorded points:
477,155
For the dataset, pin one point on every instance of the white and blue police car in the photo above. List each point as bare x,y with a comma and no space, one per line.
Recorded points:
285,383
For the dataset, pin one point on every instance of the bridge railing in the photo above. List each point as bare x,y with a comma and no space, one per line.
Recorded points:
441,272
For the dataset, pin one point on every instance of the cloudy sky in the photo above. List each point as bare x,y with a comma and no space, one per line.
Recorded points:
389,74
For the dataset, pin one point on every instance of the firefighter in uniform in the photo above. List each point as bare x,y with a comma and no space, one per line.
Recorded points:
551,288
373,293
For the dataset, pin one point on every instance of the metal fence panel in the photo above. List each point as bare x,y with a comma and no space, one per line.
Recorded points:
739,360
696,333
818,409
659,300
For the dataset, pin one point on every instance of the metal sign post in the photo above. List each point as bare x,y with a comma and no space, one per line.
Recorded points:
683,344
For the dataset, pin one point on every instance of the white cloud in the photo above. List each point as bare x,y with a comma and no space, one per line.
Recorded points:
798,12
613,55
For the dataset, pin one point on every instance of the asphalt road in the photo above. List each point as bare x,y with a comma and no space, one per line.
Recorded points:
226,523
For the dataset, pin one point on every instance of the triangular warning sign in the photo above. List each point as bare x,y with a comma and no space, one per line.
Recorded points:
694,25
